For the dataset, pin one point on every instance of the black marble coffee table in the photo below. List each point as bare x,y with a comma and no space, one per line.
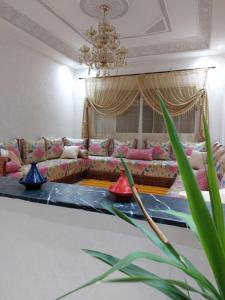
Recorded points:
94,199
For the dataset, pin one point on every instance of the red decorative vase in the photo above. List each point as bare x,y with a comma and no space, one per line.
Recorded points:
121,189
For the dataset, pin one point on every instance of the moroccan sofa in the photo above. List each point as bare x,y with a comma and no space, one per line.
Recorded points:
96,159
218,150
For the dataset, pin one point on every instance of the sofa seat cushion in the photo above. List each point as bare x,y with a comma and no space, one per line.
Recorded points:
154,168
178,187
105,164
55,169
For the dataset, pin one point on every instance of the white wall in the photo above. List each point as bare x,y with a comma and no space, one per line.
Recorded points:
36,92
216,86
41,257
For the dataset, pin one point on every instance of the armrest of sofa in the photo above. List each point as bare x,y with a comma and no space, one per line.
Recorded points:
3,161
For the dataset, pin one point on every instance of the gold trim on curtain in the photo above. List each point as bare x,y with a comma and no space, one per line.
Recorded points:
111,96
180,90
85,123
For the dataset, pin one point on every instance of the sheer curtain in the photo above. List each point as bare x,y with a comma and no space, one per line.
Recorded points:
128,106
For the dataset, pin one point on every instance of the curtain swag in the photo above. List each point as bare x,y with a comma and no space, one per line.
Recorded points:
181,91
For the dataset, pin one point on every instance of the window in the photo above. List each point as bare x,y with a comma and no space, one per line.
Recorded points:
153,122
128,122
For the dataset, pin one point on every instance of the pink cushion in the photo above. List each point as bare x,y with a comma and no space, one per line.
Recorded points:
139,154
12,167
202,180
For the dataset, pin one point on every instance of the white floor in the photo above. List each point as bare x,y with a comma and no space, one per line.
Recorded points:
41,257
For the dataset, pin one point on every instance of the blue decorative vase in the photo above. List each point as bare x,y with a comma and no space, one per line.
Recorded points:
33,180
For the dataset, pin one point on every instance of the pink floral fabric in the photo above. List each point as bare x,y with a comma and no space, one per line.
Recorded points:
82,143
11,145
139,154
159,150
188,148
98,147
122,147
202,180
178,186
12,167
33,151
55,169
154,168
54,147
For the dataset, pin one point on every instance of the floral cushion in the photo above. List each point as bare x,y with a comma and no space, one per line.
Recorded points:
54,147
178,186
154,168
98,147
75,142
83,153
218,153
201,176
11,145
122,147
55,169
139,154
188,148
12,167
159,150
220,166
222,182
33,151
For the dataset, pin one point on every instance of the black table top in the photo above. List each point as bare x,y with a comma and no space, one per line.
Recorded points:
94,199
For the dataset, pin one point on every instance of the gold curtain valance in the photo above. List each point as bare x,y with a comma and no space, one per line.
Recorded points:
180,90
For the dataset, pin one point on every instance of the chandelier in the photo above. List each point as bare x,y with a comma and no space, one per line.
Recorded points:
105,52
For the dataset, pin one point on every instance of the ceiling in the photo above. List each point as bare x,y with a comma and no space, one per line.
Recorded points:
148,29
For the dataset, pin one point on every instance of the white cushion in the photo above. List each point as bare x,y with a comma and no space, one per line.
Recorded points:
198,160
70,152
11,155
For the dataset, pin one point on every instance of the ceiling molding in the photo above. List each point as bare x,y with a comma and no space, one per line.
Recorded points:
120,8
182,45
14,17
53,11
117,8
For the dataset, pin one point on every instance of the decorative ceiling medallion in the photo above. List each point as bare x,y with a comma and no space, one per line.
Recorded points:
117,8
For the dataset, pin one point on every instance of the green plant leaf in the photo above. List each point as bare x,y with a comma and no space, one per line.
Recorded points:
216,203
183,216
130,270
202,281
205,226
180,284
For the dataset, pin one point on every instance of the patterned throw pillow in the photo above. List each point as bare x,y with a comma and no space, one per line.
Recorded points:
188,148
70,152
11,145
222,181
202,179
83,153
12,167
160,151
54,147
218,153
75,142
220,165
33,151
122,147
98,147
139,154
